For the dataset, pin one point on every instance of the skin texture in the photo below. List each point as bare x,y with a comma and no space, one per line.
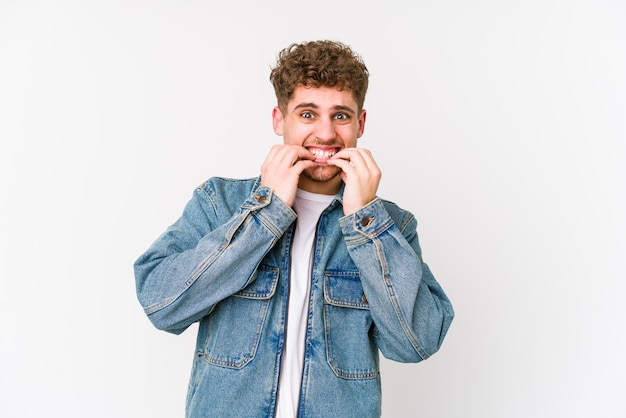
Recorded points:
320,127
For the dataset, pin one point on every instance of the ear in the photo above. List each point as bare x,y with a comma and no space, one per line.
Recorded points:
362,118
277,121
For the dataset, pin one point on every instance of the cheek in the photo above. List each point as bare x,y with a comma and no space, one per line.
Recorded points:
350,135
296,135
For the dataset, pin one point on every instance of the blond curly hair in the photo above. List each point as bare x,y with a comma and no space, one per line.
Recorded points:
319,64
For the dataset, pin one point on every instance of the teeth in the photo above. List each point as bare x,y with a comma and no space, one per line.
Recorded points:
322,153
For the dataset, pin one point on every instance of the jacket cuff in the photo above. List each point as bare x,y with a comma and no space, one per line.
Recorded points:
270,210
366,223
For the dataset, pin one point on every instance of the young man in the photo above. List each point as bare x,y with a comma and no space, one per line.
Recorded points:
300,276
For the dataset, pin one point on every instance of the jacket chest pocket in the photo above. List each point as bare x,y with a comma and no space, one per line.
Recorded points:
235,325
350,351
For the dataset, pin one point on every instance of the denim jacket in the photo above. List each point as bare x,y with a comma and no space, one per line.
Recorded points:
226,263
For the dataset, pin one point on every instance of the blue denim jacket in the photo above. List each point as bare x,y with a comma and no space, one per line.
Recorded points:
225,263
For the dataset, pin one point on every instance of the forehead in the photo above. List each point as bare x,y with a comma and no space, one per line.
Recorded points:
322,98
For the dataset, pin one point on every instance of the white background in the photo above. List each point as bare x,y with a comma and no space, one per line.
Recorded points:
500,124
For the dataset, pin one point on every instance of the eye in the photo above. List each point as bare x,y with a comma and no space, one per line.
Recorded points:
342,116
307,115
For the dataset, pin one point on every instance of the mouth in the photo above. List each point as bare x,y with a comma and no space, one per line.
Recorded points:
322,154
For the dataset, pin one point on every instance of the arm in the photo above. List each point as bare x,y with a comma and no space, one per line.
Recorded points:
409,308
205,256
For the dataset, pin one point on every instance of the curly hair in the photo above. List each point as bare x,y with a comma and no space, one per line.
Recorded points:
319,64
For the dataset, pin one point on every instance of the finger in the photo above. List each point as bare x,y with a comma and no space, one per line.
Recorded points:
356,158
362,157
288,155
305,154
302,165
370,163
293,153
344,164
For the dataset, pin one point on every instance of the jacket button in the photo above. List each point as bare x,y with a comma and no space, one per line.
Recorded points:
366,220
260,199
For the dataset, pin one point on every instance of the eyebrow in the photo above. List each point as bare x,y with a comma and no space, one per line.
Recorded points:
314,106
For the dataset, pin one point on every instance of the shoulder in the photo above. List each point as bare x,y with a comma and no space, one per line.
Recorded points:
229,187
224,195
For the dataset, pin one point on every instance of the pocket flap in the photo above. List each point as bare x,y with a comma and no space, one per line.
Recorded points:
344,289
262,286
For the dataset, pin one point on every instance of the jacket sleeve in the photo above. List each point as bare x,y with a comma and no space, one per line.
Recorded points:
203,258
410,311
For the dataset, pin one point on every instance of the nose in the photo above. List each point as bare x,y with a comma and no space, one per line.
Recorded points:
325,130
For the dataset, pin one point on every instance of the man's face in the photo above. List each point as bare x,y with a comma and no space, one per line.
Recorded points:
323,120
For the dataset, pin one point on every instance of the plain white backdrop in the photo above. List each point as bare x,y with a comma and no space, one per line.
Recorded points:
500,124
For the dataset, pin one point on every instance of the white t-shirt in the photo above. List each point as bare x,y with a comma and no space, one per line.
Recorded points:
309,207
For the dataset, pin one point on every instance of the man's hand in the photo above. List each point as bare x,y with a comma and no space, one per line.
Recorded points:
282,168
361,175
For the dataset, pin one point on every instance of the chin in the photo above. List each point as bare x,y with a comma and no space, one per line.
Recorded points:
322,173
